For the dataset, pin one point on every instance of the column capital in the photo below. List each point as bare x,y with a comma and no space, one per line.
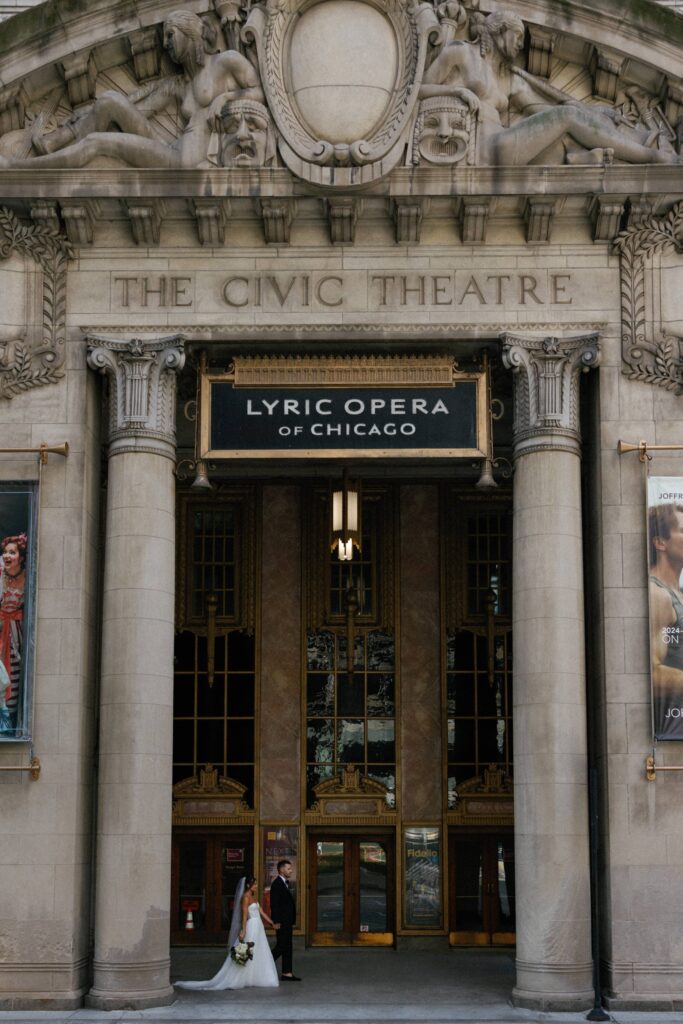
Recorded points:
142,386
546,389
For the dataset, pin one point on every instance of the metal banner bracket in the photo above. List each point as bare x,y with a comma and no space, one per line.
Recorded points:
623,447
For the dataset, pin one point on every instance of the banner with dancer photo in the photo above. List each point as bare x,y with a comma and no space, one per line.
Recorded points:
665,564
17,598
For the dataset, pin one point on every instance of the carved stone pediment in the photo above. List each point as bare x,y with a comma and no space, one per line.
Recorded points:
209,798
342,92
209,783
340,78
351,795
485,799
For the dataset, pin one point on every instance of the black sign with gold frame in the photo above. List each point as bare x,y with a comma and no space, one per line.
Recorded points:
367,407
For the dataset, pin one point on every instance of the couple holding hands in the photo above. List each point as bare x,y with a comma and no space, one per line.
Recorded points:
248,918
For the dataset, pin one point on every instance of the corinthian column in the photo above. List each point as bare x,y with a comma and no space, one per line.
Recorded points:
549,714
132,893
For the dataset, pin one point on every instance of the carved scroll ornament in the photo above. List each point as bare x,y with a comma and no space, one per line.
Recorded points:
648,353
302,103
23,367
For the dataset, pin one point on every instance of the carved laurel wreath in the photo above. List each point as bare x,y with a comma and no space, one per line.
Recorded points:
51,251
655,360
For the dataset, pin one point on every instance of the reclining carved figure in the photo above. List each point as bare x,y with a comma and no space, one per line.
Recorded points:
553,128
207,81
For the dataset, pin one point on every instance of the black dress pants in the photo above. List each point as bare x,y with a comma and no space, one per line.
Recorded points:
283,947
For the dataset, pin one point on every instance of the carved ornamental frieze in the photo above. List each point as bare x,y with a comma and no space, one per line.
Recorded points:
25,365
210,799
649,353
340,92
350,797
485,799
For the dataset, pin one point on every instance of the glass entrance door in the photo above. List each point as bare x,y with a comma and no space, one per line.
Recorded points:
351,885
482,889
205,871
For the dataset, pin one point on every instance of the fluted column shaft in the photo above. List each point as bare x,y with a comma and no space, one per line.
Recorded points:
549,713
132,890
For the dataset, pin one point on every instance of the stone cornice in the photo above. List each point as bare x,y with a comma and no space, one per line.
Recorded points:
592,197
290,333
123,182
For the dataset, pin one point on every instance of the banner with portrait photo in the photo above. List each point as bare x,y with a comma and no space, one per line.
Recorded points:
17,600
665,567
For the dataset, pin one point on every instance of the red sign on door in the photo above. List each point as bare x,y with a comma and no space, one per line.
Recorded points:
233,855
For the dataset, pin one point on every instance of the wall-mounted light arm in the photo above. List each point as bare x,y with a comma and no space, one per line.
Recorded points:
345,507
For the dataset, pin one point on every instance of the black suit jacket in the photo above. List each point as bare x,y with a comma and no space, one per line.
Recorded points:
282,905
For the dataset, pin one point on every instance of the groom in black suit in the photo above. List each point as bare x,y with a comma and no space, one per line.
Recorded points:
283,913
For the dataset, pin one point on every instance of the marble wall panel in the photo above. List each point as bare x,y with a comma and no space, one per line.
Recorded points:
421,749
280,702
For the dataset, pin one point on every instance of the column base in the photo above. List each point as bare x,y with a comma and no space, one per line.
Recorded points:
553,1002
96,999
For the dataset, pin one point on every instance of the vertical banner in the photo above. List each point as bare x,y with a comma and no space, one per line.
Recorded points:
665,563
17,597
422,877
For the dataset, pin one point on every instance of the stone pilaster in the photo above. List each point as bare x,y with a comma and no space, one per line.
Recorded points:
420,628
132,892
549,715
280,739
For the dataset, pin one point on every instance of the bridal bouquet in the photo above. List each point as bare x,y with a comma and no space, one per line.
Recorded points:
241,953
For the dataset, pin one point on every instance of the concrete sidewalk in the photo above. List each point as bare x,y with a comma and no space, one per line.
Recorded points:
425,983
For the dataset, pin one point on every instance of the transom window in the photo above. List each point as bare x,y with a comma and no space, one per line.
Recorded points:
350,719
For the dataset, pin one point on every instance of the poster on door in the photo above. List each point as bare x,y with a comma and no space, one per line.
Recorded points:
665,567
17,595
280,842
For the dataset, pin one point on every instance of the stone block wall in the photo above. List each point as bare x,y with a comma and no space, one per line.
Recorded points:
643,822
46,846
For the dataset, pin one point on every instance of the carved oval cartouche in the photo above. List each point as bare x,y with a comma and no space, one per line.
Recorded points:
344,62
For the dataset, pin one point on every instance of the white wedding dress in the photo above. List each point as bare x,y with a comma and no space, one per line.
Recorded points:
260,972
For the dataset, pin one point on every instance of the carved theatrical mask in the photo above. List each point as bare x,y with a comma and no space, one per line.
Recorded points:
246,135
444,132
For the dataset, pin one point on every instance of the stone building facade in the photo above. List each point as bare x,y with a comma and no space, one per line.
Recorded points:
357,223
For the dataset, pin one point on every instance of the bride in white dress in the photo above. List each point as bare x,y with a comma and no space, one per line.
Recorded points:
247,926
